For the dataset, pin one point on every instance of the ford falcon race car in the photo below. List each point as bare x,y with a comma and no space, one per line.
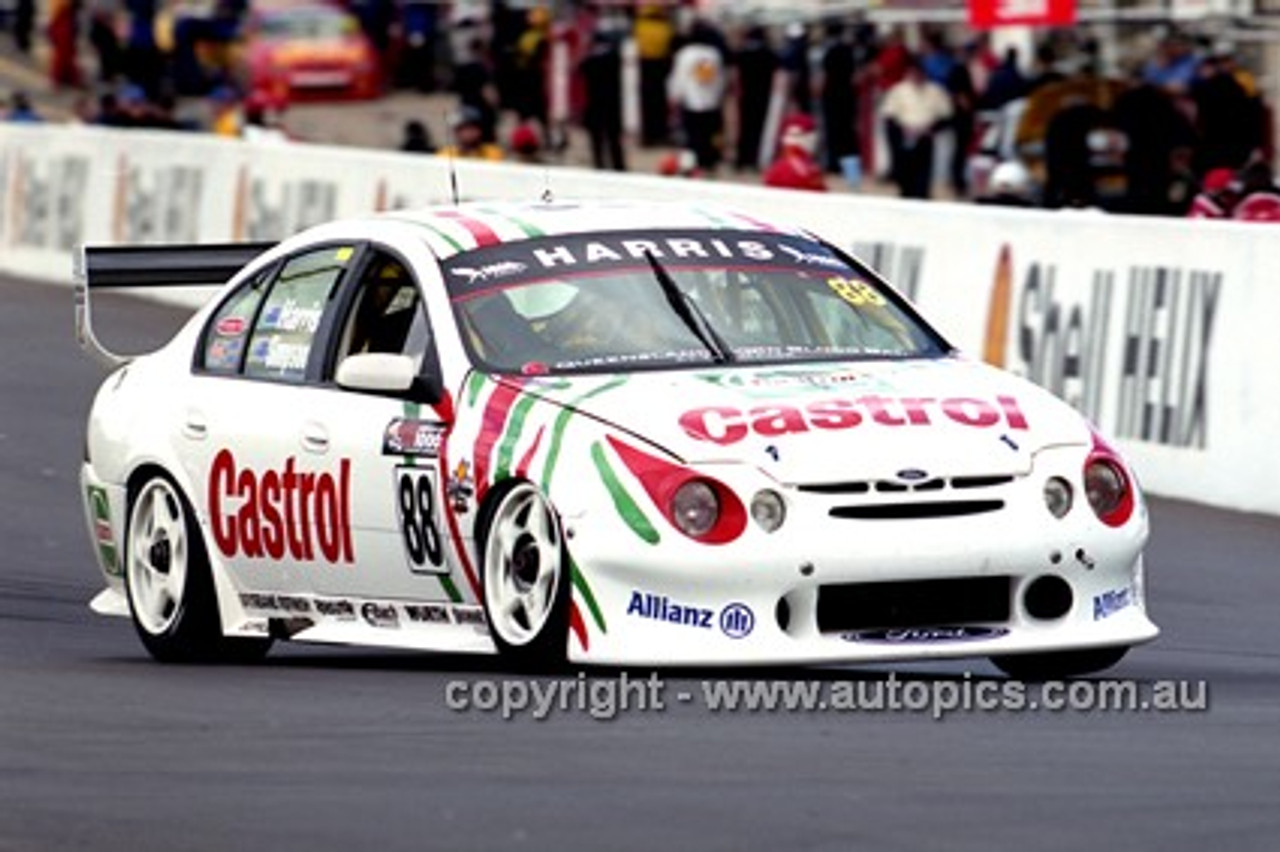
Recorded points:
608,433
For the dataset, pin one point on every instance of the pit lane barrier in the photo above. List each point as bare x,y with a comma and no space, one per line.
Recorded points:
1159,330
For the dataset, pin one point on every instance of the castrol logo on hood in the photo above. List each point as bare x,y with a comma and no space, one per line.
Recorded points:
727,424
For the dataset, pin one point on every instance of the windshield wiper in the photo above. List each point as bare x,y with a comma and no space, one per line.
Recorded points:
690,314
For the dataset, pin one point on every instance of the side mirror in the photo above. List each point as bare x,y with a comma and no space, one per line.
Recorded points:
394,374
378,372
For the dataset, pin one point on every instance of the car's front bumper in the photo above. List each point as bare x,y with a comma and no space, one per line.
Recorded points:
814,591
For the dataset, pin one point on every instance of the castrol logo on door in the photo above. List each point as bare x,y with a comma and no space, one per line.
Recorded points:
268,514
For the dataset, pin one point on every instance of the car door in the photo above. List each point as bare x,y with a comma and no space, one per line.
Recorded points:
275,498
390,443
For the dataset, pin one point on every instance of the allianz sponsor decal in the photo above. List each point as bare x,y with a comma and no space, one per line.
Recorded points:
1110,602
722,424
268,514
1133,358
735,620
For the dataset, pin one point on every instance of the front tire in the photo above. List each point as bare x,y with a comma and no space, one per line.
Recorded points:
1059,664
525,577
169,584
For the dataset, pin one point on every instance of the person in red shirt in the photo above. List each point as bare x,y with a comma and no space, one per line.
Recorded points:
795,167
1217,197
1259,195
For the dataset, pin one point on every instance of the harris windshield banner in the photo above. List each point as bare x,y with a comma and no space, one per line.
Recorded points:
529,261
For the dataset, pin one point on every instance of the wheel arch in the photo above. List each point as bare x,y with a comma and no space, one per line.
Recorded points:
549,650
225,596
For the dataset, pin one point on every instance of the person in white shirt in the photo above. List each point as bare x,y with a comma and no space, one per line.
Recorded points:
696,88
914,109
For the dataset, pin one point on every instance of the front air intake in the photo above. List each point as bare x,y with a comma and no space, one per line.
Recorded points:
912,511
914,603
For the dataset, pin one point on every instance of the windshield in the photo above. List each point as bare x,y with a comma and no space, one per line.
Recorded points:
643,300
306,24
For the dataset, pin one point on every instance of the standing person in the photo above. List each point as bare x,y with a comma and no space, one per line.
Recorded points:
696,88
1218,195
964,105
533,50
21,111
1154,127
1259,195
936,58
24,21
468,139
473,82
103,39
601,69
421,30
1005,83
142,56
654,35
1230,121
525,145
839,101
795,61
416,138
795,166
64,37
756,64
914,110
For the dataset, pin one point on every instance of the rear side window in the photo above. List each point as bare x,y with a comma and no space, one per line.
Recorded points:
224,342
280,345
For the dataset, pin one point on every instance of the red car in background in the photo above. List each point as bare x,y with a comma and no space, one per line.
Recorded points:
307,49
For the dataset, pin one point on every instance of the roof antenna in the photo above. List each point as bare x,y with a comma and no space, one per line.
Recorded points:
453,166
547,195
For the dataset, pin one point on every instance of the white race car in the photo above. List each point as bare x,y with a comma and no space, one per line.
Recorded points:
608,433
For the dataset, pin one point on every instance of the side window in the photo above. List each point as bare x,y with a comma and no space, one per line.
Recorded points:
386,315
226,334
287,324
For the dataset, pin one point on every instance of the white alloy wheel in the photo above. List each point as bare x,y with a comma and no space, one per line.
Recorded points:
524,573
159,557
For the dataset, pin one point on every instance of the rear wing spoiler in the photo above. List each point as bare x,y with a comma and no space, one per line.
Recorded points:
152,266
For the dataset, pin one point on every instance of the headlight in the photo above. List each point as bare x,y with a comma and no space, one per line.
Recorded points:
768,510
694,508
1106,485
1057,496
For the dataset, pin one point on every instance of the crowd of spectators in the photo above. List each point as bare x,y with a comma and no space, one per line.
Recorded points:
802,105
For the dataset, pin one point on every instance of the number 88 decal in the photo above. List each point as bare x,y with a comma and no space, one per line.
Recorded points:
855,292
416,506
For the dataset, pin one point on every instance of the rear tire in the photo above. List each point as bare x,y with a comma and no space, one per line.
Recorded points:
1059,664
170,585
525,572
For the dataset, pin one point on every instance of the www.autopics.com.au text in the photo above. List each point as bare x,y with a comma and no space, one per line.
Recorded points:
605,698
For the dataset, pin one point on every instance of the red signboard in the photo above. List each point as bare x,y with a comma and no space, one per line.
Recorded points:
984,14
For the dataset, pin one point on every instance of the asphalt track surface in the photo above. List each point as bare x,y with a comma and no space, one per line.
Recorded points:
101,749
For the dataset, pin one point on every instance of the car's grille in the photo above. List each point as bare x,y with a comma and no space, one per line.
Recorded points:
908,506
910,511
893,486
914,603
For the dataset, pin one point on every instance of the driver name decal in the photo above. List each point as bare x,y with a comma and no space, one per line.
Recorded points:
723,424
268,514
